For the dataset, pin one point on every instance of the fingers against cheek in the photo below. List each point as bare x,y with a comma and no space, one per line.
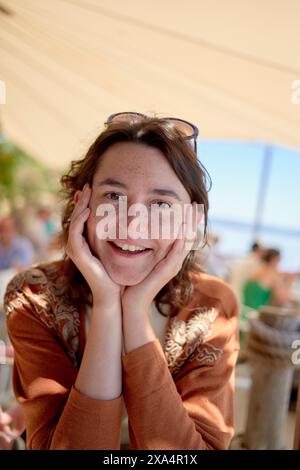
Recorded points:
77,226
80,193
81,199
77,196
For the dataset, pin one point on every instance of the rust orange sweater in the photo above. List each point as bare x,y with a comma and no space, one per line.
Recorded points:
177,397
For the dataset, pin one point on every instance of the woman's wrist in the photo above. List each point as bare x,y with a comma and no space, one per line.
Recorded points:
137,327
107,302
136,307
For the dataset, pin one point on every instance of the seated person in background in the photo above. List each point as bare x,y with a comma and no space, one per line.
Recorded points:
39,228
267,285
16,252
242,270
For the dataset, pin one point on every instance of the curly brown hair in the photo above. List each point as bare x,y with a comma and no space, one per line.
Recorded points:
154,132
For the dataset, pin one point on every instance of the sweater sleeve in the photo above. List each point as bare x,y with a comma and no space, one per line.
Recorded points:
57,416
191,411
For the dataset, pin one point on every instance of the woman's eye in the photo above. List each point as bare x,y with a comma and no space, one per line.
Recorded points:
113,196
161,204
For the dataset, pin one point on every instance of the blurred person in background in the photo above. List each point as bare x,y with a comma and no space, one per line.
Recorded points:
16,251
39,227
267,285
242,269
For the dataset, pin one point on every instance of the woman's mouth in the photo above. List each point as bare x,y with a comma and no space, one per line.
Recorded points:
129,251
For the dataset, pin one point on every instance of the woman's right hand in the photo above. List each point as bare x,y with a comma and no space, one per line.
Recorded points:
78,250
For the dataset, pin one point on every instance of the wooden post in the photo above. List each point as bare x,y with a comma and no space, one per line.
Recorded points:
269,349
297,426
268,407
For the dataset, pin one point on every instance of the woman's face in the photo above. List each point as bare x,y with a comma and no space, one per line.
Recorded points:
144,176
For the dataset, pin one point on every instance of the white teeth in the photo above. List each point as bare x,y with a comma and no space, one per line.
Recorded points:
126,247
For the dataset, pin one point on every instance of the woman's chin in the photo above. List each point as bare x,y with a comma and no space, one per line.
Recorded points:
126,279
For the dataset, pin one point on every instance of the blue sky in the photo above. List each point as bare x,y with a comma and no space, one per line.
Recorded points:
235,169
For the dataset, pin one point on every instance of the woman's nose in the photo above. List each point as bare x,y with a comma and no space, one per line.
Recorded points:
135,222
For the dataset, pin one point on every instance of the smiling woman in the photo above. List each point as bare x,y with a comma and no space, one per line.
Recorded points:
126,326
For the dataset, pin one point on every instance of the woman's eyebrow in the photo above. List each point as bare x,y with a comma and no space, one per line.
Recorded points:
112,182
158,191
166,192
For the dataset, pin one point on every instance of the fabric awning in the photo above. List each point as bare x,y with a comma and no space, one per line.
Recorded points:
227,66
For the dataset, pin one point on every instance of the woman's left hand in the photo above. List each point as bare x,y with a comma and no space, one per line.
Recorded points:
138,298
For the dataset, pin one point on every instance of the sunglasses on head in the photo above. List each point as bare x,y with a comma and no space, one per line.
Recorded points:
189,130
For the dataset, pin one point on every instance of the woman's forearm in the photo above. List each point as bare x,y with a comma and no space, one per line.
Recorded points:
137,329
100,373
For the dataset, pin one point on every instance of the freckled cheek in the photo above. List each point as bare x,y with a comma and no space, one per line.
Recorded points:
161,248
92,224
101,228
165,231
93,205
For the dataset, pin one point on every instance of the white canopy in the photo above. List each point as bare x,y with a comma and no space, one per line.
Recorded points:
227,66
